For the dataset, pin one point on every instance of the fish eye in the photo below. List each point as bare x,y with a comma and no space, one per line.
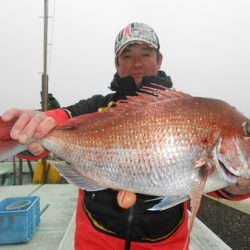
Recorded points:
246,128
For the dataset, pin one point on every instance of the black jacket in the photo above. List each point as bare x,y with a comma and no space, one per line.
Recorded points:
123,87
101,206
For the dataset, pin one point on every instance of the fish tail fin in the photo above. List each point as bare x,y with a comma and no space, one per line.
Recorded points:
8,146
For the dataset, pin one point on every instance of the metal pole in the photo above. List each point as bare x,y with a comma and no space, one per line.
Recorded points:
44,93
45,75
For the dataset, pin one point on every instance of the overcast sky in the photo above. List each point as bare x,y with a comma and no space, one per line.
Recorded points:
205,43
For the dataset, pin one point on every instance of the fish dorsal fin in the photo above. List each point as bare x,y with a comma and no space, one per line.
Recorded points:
149,95
146,96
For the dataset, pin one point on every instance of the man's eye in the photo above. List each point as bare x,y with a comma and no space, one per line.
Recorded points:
126,56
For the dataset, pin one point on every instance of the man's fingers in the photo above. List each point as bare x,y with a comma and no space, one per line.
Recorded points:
36,148
11,114
30,124
44,127
33,127
242,187
243,183
22,121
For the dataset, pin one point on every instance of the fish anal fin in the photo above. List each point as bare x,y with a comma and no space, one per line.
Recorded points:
75,178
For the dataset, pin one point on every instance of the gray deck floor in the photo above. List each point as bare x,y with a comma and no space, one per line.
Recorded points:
56,230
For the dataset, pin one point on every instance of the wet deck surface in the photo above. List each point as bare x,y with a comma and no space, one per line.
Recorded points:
56,230
229,220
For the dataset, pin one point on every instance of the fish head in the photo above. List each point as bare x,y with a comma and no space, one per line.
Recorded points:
234,150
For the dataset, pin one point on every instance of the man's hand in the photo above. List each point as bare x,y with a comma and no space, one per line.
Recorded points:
241,188
29,124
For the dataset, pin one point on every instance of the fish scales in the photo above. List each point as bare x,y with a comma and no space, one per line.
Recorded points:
165,144
147,149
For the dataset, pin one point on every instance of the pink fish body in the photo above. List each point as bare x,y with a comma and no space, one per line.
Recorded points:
158,145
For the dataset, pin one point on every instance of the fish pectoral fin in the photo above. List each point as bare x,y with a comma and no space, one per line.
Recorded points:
195,200
167,202
75,178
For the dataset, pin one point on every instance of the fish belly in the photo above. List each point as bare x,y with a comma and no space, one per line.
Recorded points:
160,172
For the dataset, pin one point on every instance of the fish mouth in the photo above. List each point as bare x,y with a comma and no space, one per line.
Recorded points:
228,171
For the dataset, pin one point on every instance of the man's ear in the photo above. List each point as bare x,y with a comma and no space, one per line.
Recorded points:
116,63
159,60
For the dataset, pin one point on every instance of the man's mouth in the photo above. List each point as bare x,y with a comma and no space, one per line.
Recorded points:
138,74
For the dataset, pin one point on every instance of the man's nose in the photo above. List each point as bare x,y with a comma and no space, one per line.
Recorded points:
137,61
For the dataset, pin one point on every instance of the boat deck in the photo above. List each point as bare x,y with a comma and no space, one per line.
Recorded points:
56,230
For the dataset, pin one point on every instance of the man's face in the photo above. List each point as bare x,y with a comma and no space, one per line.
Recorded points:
137,61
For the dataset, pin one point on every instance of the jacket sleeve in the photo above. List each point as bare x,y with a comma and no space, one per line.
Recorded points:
89,105
223,194
59,115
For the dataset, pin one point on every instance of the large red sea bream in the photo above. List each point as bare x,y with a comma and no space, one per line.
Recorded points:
169,144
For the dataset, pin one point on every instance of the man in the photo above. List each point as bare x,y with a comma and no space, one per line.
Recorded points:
100,222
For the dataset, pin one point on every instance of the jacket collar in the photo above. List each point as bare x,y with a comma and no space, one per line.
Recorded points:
127,86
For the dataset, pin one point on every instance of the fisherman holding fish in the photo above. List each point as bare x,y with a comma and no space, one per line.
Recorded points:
109,218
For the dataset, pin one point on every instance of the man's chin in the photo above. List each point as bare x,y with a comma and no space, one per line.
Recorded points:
138,81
